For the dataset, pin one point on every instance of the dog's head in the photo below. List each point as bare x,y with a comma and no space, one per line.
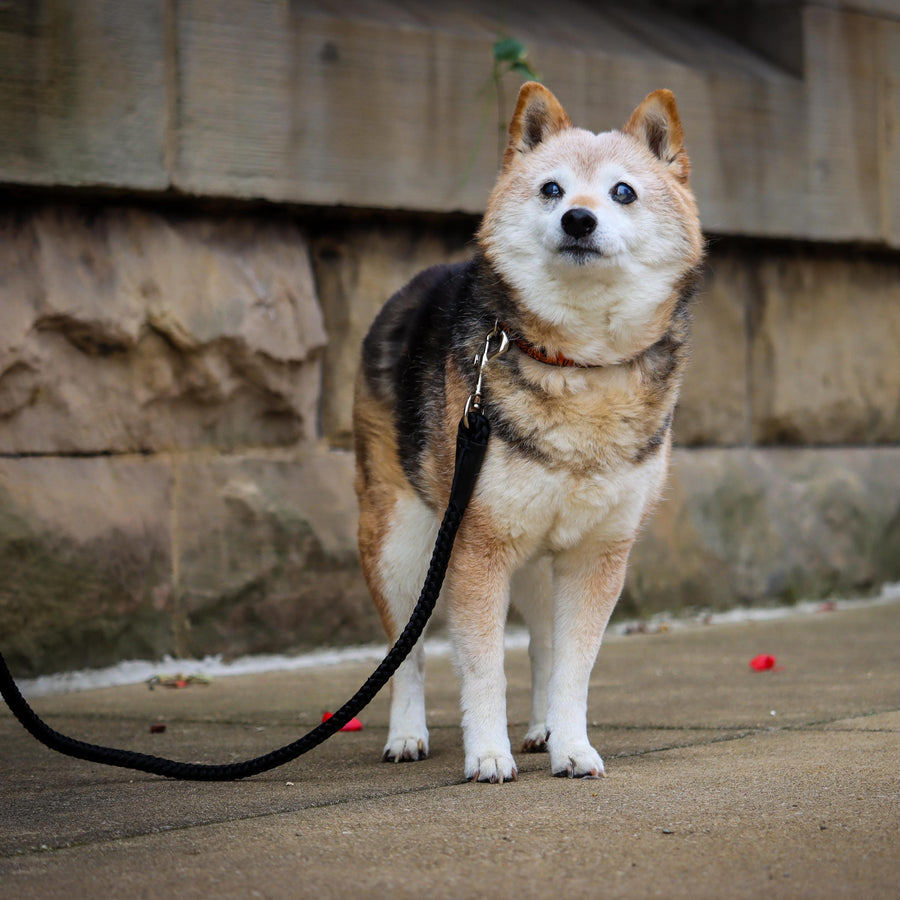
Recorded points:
586,226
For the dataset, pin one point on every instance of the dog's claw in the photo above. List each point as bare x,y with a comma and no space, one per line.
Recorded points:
494,770
571,771
405,751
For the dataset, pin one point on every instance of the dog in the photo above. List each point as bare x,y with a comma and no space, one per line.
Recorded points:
587,258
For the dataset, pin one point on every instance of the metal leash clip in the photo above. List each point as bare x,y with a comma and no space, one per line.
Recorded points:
481,360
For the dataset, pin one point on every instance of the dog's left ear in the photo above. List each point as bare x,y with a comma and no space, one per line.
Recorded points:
538,115
656,123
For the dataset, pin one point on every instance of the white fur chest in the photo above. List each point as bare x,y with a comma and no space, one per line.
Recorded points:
541,509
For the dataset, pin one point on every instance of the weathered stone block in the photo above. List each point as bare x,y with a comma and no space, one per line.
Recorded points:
267,554
112,558
85,562
852,192
129,331
83,94
357,270
824,353
747,526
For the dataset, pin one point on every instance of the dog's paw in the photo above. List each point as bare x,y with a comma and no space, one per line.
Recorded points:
577,762
407,748
493,768
536,739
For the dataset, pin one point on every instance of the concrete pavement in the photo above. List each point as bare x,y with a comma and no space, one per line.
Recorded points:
721,782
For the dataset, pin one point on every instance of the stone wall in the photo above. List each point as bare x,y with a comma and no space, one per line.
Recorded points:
175,391
204,203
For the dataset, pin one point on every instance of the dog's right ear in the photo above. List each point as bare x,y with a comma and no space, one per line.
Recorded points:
538,115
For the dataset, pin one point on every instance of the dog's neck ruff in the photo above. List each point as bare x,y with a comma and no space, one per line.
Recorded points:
541,355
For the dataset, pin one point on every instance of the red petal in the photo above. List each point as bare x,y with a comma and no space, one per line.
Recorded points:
353,725
762,662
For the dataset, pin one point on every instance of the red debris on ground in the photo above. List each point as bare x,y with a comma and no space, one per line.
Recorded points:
353,725
762,662
157,728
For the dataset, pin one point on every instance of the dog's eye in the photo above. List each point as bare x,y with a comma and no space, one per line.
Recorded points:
552,190
623,193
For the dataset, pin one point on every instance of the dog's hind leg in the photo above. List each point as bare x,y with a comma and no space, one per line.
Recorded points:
532,595
395,572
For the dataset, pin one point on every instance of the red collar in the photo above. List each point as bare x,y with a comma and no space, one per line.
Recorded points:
540,354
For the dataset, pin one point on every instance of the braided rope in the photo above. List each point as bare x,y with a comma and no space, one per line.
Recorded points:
471,446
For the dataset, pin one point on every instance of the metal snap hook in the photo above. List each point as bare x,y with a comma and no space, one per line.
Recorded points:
481,360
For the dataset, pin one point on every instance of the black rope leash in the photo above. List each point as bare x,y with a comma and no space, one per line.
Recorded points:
471,445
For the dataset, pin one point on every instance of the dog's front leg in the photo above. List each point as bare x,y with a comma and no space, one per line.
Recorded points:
478,602
588,581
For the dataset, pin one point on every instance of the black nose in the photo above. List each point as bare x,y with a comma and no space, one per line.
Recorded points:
578,222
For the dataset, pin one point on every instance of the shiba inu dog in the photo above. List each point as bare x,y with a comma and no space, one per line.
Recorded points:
588,255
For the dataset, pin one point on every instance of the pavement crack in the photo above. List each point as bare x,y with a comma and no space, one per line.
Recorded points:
286,809
687,745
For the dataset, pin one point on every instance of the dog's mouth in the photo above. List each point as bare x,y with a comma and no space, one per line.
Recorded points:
580,253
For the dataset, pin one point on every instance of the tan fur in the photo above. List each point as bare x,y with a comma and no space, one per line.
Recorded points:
379,478
656,119
537,110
